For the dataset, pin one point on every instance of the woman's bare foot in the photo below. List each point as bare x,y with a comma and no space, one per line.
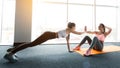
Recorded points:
88,53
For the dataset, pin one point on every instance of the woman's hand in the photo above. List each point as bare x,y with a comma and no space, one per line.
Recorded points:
85,28
92,32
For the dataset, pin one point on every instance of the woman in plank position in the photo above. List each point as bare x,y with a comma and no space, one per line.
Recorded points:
10,56
98,40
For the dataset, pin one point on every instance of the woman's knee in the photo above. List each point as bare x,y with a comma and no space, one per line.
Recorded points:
87,37
47,32
95,38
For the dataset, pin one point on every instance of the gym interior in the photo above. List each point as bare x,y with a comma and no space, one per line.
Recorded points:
22,21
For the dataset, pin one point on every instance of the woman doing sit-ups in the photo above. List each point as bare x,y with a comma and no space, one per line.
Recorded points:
98,41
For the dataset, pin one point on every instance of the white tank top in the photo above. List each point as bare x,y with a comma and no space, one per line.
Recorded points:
62,34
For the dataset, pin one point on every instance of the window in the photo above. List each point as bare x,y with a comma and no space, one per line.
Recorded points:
106,12
53,15
49,17
7,18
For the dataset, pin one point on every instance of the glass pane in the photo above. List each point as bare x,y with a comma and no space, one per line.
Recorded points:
1,7
48,17
8,18
118,22
53,16
53,1
82,16
81,1
107,2
108,16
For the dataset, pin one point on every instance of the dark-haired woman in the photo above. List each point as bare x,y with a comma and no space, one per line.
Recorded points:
41,39
98,40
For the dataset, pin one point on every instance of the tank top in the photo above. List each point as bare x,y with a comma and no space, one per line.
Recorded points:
62,34
101,37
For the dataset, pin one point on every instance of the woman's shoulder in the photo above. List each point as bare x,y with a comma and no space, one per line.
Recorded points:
96,32
64,30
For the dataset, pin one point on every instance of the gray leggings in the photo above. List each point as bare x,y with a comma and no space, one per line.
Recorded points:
96,44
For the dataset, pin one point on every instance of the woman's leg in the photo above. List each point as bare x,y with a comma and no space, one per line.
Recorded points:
10,49
86,38
44,37
96,44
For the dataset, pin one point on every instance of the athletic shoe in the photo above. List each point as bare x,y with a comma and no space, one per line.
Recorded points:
10,49
10,58
88,53
16,55
77,48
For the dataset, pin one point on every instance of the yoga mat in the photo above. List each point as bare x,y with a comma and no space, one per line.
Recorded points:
106,49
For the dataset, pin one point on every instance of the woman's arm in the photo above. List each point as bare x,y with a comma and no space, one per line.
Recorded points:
109,30
67,39
90,32
75,32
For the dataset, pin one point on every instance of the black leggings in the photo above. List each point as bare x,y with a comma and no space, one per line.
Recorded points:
44,37
95,43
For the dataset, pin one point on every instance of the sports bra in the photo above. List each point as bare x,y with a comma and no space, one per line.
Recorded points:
62,34
101,37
